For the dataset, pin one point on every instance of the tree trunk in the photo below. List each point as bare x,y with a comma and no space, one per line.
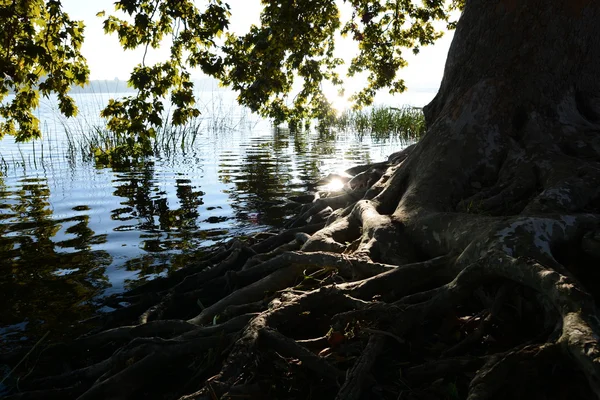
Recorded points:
466,268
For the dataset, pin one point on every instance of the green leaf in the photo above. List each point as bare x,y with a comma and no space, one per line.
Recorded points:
278,68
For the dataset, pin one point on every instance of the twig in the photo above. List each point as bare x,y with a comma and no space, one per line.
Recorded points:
24,357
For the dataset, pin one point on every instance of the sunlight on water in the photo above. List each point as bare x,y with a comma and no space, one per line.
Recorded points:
334,185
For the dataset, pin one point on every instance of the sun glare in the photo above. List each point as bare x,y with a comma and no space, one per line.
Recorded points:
334,185
339,104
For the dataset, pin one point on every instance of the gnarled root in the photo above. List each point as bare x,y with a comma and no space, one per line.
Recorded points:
379,301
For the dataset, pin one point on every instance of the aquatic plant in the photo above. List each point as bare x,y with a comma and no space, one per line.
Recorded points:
93,140
382,122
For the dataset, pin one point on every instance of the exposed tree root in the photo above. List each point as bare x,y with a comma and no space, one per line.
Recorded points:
359,374
325,323
321,310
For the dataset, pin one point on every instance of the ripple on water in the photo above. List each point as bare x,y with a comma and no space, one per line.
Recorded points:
71,232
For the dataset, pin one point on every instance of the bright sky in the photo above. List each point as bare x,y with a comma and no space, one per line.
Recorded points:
107,60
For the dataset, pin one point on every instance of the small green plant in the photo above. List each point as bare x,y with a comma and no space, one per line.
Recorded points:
383,122
92,139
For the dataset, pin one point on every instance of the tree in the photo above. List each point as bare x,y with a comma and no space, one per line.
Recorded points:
464,266
294,43
40,55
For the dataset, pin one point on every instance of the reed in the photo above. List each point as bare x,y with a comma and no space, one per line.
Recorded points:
91,140
384,122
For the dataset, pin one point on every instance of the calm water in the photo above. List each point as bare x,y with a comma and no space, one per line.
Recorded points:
72,232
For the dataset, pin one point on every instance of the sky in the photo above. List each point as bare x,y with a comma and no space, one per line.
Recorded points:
107,60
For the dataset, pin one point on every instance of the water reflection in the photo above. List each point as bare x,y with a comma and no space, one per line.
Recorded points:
165,213
269,170
259,180
49,267
147,205
71,231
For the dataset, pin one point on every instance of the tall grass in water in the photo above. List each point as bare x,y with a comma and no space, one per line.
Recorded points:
406,123
33,154
83,137
90,138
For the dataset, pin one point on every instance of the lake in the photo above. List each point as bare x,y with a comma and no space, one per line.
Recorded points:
72,232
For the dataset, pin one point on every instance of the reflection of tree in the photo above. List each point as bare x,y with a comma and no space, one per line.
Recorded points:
164,227
151,207
271,170
326,142
307,163
265,176
44,280
300,143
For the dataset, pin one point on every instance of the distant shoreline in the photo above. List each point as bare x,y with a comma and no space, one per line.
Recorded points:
103,86
119,86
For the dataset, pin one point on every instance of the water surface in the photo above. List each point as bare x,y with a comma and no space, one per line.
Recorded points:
72,231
